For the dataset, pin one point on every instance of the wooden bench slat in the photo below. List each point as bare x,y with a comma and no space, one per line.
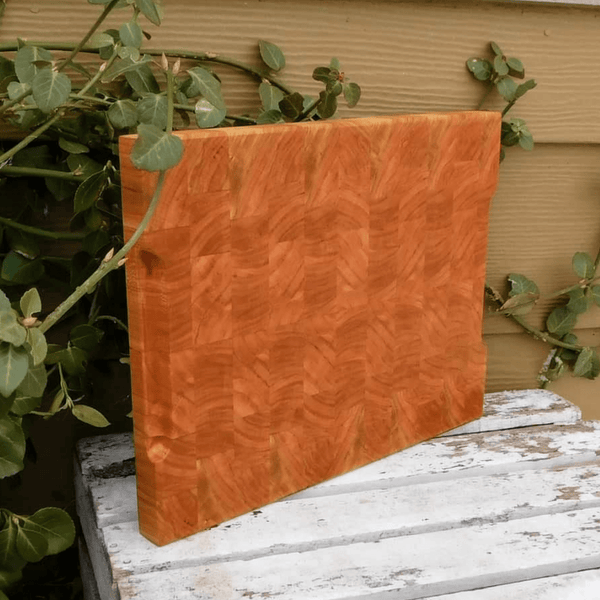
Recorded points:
584,585
114,499
465,455
364,517
405,568
520,408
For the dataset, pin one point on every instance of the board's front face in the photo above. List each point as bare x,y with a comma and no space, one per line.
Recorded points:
307,299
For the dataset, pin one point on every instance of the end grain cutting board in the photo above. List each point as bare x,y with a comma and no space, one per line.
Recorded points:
307,299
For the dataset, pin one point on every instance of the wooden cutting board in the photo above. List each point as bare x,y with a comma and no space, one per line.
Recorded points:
307,299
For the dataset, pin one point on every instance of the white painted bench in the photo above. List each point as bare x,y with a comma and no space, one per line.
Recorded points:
505,507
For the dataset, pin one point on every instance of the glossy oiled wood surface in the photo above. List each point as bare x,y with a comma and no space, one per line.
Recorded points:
307,299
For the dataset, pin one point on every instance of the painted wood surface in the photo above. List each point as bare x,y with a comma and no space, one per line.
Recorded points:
572,586
306,299
459,513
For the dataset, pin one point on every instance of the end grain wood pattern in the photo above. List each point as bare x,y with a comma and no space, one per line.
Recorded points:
307,299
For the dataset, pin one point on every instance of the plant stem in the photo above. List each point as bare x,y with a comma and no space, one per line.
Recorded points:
536,333
487,93
51,235
114,320
105,267
307,112
33,172
258,73
30,138
89,34
508,107
170,92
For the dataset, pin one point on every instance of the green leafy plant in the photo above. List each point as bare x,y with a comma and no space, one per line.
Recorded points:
66,164
500,73
566,353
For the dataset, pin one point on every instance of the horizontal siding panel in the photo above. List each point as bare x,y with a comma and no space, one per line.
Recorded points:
546,208
407,56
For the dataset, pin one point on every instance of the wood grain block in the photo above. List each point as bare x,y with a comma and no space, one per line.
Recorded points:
306,299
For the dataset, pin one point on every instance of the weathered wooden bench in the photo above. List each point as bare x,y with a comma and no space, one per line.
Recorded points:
505,507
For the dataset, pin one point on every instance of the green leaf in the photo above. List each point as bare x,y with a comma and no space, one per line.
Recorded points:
17,269
155,150
11,330
72,147
57,527
34,382
292,105
519,284
208,115
520,304
149,9
53,354
579,301
23,244
561,321
322,74
587,364
50,89
272,55
596,294
9,558
86,337
525,87
526,141
208,86
131,34
89,415
7,579
81,164
500,66
507,88
153,109
15,90
125,65
334,63
142,80
89,191
270,117
327,106
23,405
352,94
270,96
14,364
30,303
27,61
334,88
583,265
12,449
514,64
123,114
481,68
72,359
31,544
4,302
102,40
496,49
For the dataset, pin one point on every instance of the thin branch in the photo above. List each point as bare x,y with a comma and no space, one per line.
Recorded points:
106,267
536,333
33,172
51,235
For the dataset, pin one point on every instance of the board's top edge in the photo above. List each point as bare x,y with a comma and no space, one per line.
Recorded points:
482,115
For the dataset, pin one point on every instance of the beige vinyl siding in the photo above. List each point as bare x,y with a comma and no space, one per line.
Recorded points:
409,57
